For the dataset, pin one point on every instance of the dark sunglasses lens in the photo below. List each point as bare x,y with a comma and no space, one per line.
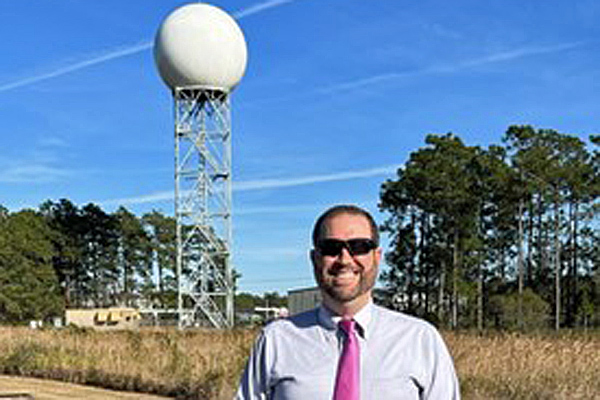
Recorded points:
356,247
359,247
331,247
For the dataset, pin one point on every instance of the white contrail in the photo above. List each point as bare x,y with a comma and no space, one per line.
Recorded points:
262,184
489,59
368,81
520,53
122,52
310,180
77,66
255,9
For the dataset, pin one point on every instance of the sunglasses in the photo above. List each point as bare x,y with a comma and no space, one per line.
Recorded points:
356,247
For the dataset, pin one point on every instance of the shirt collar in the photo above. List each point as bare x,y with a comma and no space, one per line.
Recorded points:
329,319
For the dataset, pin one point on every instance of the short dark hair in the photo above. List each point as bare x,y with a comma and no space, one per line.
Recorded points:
344,209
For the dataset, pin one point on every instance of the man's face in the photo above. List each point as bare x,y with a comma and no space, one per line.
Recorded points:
345,277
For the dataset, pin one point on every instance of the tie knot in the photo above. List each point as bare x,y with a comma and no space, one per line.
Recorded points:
347,326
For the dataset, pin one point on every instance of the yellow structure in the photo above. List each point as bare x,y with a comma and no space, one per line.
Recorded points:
104,318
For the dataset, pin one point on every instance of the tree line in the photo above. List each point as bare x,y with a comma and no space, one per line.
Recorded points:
504,236
501,236
65,256
62,255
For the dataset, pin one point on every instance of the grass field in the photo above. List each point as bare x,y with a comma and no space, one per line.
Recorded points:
514,366
207,364
27,388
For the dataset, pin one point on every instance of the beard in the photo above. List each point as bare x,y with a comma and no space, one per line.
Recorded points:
343,294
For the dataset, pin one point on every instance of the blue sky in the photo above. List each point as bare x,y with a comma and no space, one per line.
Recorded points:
336,95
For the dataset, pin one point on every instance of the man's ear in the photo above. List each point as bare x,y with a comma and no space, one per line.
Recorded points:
378,254
313,257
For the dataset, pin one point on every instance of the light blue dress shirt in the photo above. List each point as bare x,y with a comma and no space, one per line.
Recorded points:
401,357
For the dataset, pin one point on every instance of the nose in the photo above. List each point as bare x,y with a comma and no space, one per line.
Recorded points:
345,257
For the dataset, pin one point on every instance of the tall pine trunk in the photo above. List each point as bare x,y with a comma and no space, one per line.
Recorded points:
455,261
557,259
571,317
441,289
520,266
421,261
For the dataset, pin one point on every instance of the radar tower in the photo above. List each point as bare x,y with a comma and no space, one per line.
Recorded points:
201,55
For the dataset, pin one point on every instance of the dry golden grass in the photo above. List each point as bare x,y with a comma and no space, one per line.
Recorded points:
194,364
207,364
516,366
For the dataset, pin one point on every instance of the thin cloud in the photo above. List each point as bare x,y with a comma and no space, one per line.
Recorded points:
124,51
77,66
38,163
155,197
263,184
295,209
450,68
371,80
521,53
32,174
277,209
257,8
52,142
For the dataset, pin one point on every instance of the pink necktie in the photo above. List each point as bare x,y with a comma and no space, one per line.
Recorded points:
347,382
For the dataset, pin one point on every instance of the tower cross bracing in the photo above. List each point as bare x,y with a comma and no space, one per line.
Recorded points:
203,207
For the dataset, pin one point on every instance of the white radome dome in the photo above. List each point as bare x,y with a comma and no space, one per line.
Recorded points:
200,45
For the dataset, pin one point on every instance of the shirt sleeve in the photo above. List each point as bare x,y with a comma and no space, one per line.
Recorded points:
254,384
443,383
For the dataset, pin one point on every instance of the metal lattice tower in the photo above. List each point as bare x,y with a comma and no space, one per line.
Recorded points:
203,207
201,55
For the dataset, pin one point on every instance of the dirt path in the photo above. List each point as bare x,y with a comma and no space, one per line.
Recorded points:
41,389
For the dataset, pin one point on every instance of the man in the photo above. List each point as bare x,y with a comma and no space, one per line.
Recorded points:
348,348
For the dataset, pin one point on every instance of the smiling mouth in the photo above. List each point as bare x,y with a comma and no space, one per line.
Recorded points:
344,275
